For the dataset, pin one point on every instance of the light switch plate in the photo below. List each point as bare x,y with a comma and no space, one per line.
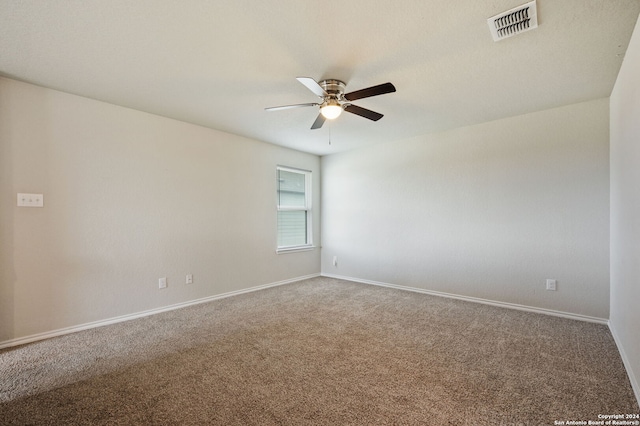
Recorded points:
30,200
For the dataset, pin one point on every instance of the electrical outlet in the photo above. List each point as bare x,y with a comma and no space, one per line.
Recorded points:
189,279
162,282
551,285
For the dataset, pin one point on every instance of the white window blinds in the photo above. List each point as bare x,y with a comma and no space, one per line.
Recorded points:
294,208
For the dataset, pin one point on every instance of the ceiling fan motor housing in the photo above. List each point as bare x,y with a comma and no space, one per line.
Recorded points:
331,106
335,88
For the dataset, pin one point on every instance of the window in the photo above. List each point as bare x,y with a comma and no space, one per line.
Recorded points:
294,209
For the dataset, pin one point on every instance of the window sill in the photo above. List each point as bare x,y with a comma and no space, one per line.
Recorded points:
296,249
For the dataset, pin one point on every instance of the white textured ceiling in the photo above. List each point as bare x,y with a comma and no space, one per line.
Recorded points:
220,63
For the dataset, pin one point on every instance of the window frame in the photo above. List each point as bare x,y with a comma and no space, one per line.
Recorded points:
307,208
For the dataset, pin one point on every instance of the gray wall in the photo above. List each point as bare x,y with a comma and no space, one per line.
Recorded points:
130,197
625,210
488,211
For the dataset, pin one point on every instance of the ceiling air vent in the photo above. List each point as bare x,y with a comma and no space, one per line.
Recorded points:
514,21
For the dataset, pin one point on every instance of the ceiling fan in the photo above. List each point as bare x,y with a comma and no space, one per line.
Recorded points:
334,100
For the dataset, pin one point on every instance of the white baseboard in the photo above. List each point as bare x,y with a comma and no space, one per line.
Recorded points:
476,300
128,317
627,365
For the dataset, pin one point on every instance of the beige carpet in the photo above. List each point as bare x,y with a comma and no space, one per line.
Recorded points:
323,352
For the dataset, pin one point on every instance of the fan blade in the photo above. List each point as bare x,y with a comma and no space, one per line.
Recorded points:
380,89
277,108
363,112
318,123
313,85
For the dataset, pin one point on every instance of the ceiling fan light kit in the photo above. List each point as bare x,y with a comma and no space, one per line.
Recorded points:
334,100
331,109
